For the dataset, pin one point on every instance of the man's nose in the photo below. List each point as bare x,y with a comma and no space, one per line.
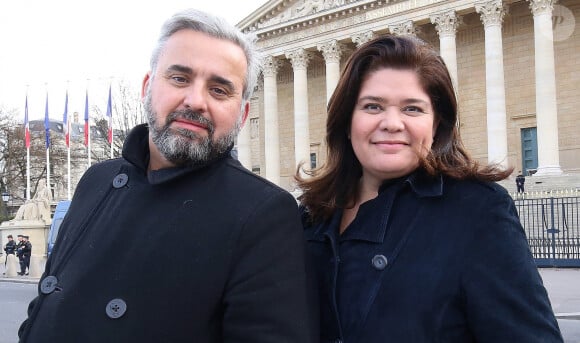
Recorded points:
195,98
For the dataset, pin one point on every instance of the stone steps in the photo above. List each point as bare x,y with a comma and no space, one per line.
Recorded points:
542,184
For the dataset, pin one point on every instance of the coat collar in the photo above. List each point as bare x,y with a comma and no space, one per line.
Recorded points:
136,151
373,215
425,185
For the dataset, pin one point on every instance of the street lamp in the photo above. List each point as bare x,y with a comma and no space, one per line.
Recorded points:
5,199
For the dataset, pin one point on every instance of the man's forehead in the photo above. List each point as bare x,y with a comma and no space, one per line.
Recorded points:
193,52
200,42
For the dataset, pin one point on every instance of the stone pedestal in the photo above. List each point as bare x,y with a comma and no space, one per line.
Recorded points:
33,220
36,268
37,231
12,266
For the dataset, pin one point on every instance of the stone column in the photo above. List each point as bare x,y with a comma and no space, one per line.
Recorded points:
271,130
299,59
331,51
244,153
244,149
546,103
404,28
361,38
492,13
446,24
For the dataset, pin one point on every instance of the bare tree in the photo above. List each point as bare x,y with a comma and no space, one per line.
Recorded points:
10,161
13,164
127,111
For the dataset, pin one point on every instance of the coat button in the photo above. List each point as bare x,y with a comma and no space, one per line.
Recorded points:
116,308
379,262
48,285
120,180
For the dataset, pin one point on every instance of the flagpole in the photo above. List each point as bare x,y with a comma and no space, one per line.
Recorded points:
89,144
68,174
48,168
28,173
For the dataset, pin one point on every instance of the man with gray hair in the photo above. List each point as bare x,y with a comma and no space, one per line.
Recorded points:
234,268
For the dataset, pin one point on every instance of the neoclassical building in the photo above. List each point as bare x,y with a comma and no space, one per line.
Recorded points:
515,65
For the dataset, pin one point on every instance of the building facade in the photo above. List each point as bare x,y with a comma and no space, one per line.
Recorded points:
514,64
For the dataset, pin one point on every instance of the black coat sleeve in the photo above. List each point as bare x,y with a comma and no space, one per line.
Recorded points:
504,296
267,296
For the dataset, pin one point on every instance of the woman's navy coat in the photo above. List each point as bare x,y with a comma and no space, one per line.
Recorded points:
430,260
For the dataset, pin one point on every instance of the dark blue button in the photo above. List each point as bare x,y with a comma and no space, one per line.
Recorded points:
379,262
116,308
48,284
120,180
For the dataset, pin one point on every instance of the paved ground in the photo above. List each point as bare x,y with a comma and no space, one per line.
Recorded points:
563,287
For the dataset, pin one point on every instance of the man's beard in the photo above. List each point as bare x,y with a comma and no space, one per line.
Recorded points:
183,147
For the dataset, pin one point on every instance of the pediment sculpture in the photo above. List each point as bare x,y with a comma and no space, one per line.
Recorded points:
302,8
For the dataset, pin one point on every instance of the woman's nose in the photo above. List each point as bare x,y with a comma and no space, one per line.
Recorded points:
392,119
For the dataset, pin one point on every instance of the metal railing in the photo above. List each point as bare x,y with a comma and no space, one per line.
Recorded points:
552,225
558,193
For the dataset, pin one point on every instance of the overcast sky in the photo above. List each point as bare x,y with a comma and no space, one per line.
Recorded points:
70,44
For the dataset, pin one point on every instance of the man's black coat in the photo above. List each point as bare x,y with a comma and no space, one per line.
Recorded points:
233,270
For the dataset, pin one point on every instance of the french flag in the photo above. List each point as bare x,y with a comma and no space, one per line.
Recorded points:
110,117
87,119
66,122
26,126
46,124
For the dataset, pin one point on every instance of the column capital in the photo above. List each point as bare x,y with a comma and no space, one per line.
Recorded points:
539,7
446,22
360,38
404,28
492,12
270,66
299,58
331,51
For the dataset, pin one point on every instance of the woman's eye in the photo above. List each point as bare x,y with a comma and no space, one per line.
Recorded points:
372,108
412,110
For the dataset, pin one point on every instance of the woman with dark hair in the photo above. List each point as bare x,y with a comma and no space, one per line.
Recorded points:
411,239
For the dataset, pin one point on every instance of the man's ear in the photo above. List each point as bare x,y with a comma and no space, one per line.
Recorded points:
144,85
245,114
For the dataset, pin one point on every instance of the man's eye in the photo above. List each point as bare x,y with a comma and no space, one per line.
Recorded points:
219,91
179,79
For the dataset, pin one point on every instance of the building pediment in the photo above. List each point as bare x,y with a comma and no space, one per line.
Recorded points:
280,13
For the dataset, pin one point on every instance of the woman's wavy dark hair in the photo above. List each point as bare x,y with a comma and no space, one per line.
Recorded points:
335,184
